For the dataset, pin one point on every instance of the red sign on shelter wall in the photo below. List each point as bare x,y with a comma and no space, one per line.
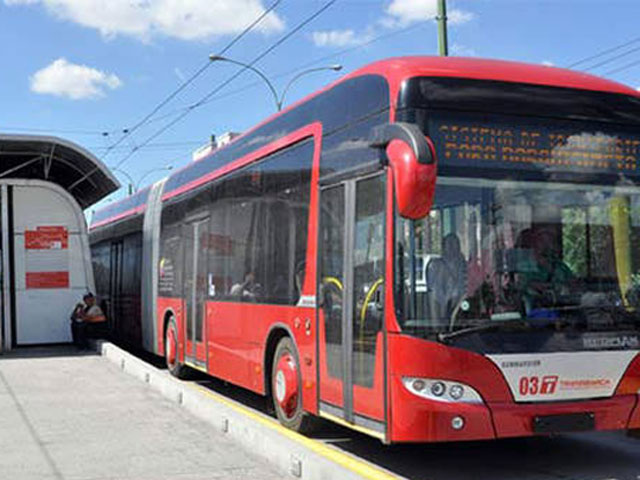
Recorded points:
47,280
46,238
47,257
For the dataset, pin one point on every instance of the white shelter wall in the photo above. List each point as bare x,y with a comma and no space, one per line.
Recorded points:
42,313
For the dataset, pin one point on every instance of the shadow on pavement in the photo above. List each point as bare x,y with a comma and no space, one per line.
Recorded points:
45,351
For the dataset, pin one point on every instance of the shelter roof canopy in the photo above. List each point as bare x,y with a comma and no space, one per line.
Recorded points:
58,161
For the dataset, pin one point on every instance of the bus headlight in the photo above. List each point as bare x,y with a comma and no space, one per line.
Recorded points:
456,392
438,389
441,390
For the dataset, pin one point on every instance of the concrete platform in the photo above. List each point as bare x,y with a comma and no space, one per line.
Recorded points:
298,455
70,416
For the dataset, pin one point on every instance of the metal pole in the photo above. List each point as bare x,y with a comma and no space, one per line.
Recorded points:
335,68
215,58
131,182
443,45
146,174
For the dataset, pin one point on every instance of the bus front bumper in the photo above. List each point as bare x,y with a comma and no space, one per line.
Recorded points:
519,420
422,420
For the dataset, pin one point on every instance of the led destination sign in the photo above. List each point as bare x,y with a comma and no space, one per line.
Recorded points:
542,146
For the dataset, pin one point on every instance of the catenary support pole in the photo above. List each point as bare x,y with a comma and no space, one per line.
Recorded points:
443,46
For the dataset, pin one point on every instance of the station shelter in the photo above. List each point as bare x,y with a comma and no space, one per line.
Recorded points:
45,263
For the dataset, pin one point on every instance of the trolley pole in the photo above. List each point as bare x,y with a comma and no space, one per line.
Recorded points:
443,46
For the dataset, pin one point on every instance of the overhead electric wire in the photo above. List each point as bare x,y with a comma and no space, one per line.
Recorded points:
624,67
189,80
242,89
154,145
128,132
330,56
612,59
102,133
604,52
365,43
204,99
344,51
339,53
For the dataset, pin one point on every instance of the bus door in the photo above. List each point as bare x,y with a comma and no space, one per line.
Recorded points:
195,234
351,340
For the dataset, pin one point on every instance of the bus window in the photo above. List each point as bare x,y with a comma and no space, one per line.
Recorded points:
332,275
260,230
557,253
368,275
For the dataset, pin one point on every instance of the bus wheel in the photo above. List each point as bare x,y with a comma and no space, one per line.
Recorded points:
171,350
286,389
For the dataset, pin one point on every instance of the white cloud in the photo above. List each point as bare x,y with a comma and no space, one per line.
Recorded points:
406,12
64,79
339,38
462,51
458,17
398,14
548,63
183,19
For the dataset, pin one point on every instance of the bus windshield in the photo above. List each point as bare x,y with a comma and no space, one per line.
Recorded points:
553,257
532,241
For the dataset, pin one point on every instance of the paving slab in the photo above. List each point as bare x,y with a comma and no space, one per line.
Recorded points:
71,416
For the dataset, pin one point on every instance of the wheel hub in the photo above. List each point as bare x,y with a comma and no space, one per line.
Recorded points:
286,384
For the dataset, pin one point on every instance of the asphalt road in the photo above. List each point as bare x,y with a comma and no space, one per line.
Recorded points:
593,456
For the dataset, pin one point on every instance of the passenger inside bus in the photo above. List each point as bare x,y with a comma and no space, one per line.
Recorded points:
447,278
246,290
543,278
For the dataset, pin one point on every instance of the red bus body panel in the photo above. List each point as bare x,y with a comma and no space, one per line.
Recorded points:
630,385
417,419
237,339
634,420
516,420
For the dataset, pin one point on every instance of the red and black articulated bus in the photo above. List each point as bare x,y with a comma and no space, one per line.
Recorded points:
430,249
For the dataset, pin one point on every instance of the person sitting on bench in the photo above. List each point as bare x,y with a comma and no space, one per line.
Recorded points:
87,321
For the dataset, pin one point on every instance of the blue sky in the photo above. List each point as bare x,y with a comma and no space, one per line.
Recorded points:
78,68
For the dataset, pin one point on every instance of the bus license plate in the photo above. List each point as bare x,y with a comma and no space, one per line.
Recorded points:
571,422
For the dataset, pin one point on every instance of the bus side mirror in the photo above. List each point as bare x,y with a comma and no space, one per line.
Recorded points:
412,159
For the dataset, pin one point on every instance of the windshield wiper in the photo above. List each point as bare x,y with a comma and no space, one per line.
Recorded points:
483,327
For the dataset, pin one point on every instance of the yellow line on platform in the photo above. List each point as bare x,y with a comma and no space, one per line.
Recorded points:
363,469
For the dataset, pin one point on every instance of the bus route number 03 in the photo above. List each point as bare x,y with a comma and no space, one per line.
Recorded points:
538,386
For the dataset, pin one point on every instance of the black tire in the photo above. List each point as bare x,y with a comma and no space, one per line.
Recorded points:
174,366
296,419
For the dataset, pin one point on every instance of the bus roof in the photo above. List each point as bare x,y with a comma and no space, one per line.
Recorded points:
395,70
